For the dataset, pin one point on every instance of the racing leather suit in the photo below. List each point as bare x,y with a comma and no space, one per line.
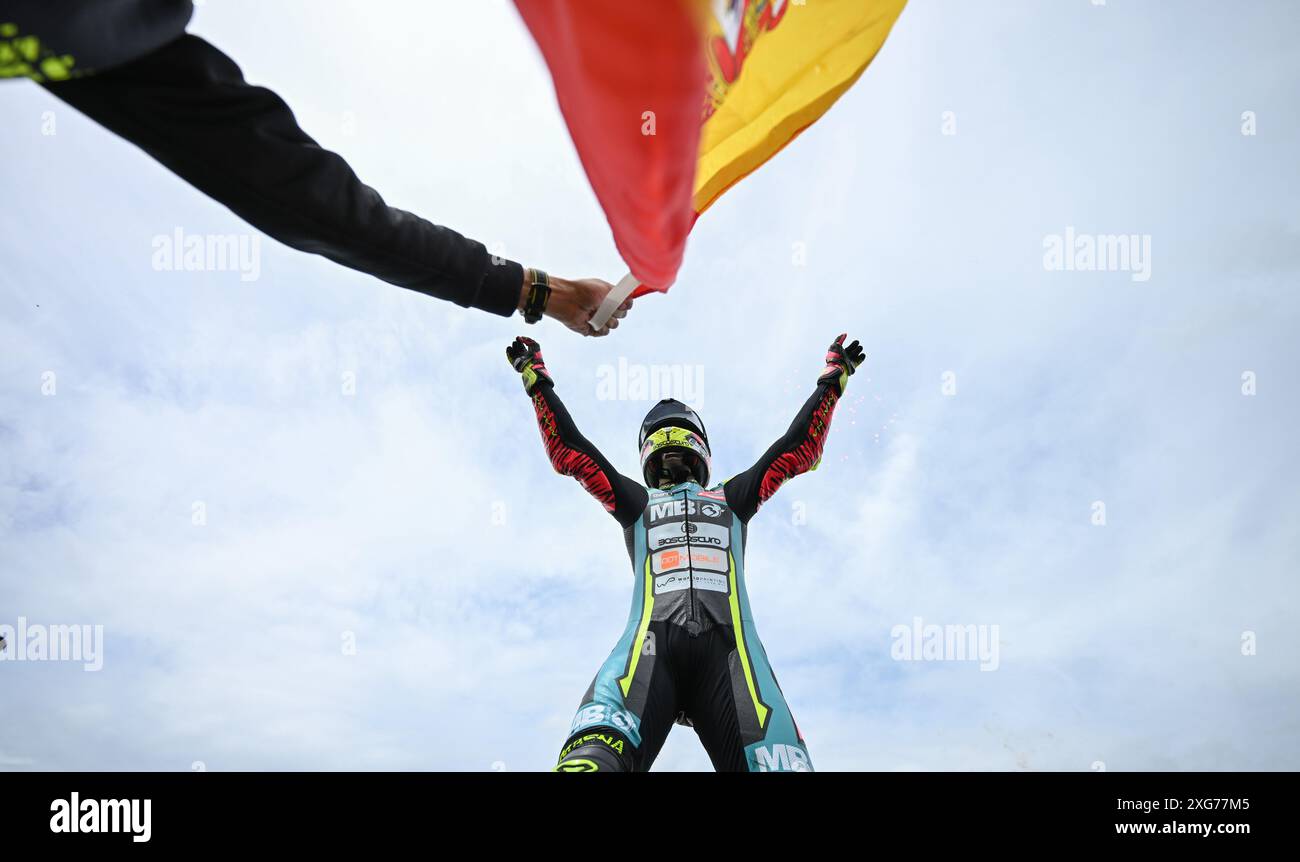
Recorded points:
690,652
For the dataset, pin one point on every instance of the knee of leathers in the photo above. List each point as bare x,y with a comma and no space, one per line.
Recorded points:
596,750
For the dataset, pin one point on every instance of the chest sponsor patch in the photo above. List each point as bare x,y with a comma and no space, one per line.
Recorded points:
684,579
690,559
699,534
676,509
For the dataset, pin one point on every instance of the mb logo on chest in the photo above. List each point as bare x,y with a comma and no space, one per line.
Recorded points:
674,509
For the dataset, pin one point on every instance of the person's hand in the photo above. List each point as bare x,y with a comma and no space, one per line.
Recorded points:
574,301
525,356
841,362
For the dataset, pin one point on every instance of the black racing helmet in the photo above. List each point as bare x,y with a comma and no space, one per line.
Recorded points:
672,426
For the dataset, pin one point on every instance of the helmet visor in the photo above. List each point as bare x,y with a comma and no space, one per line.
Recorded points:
674,438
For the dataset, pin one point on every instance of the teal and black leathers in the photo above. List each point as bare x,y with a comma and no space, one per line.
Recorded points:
690,651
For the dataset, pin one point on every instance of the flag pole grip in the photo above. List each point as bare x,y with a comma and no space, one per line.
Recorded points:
613,300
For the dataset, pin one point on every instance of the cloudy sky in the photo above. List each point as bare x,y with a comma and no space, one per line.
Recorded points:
395,579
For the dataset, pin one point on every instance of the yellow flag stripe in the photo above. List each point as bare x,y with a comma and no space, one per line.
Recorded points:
792,76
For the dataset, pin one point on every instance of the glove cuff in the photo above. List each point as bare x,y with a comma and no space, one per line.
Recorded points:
836,374
533,376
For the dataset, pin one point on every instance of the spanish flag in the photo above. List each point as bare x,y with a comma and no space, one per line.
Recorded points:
672,102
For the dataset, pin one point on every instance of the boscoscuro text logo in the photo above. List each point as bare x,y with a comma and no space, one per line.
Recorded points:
130,816
38,642
932,642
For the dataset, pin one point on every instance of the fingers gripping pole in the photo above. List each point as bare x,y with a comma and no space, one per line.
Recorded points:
613,300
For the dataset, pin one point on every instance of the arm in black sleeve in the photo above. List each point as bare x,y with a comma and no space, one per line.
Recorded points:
798,451
188,105
572,455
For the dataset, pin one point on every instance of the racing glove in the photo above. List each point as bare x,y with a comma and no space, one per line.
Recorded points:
841,362
525,356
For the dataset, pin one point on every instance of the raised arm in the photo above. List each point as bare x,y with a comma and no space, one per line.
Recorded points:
187,105
800,448
572,454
